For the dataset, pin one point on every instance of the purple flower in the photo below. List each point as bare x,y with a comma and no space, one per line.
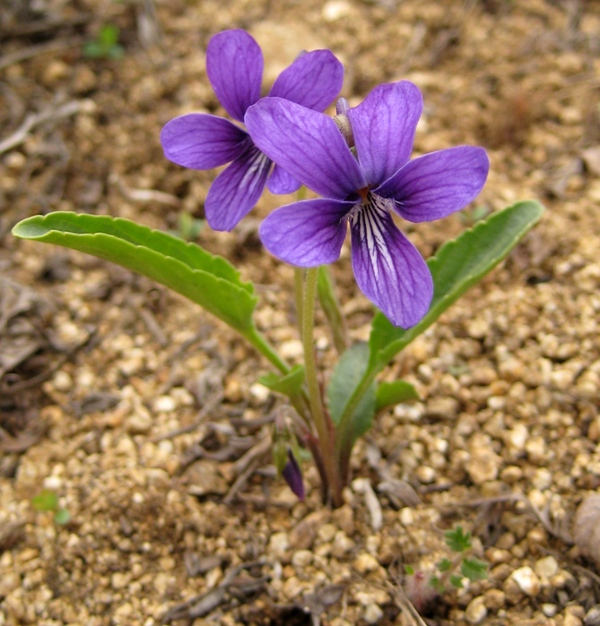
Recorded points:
234,64
364,186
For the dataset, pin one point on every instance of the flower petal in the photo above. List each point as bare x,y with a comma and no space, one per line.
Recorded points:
201,142
384,128
307,233
313,80
307,144
438,183
237,189
388,268
234,64
280,182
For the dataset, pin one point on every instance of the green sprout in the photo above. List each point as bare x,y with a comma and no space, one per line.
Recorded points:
189,226
106,45
458,540
449,572
47,500
469,217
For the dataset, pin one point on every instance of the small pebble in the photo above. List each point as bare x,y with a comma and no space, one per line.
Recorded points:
165,404
365,563
120,580
476,611
302,558
549,610
373,613
592,617
335,10
527,581
546,567
494,599
572,620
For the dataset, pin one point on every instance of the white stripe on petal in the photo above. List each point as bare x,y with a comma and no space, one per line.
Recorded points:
368,218
257,163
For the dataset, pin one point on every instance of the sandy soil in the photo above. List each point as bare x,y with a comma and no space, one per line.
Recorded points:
142,413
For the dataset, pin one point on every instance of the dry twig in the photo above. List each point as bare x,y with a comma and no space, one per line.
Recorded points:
32,120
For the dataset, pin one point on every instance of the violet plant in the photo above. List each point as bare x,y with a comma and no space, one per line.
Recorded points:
357,163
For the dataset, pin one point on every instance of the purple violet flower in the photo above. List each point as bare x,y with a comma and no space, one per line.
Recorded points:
363,185
234,64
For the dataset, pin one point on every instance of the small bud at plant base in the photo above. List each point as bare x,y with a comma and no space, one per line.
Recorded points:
280,456
293,476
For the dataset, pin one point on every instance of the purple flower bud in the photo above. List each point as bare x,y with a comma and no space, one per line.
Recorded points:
293,476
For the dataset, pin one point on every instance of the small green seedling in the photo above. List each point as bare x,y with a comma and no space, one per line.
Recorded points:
47,500
106,45
469,217
449,572
189,227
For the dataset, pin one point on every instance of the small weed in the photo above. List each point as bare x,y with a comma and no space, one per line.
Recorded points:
422,589
469,217
47,500
106,45
189,227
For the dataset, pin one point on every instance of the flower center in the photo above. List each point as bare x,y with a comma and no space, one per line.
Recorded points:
370,208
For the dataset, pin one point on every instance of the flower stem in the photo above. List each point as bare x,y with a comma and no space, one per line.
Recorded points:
321,419
299,295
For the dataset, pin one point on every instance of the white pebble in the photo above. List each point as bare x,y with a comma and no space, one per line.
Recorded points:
164,404
335,10
546,567
373,613
476,611
527,580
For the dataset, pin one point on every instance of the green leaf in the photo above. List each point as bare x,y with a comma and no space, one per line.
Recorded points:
206,279
474,569
346,376
108,35
444,565
457,266
458,540
436,584
93,50
115,52
45,501
392,393
62,517
456,581
289,384
409,569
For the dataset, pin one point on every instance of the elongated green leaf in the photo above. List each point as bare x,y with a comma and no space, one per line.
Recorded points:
458,265
346,376
390,394
209,280
289,384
